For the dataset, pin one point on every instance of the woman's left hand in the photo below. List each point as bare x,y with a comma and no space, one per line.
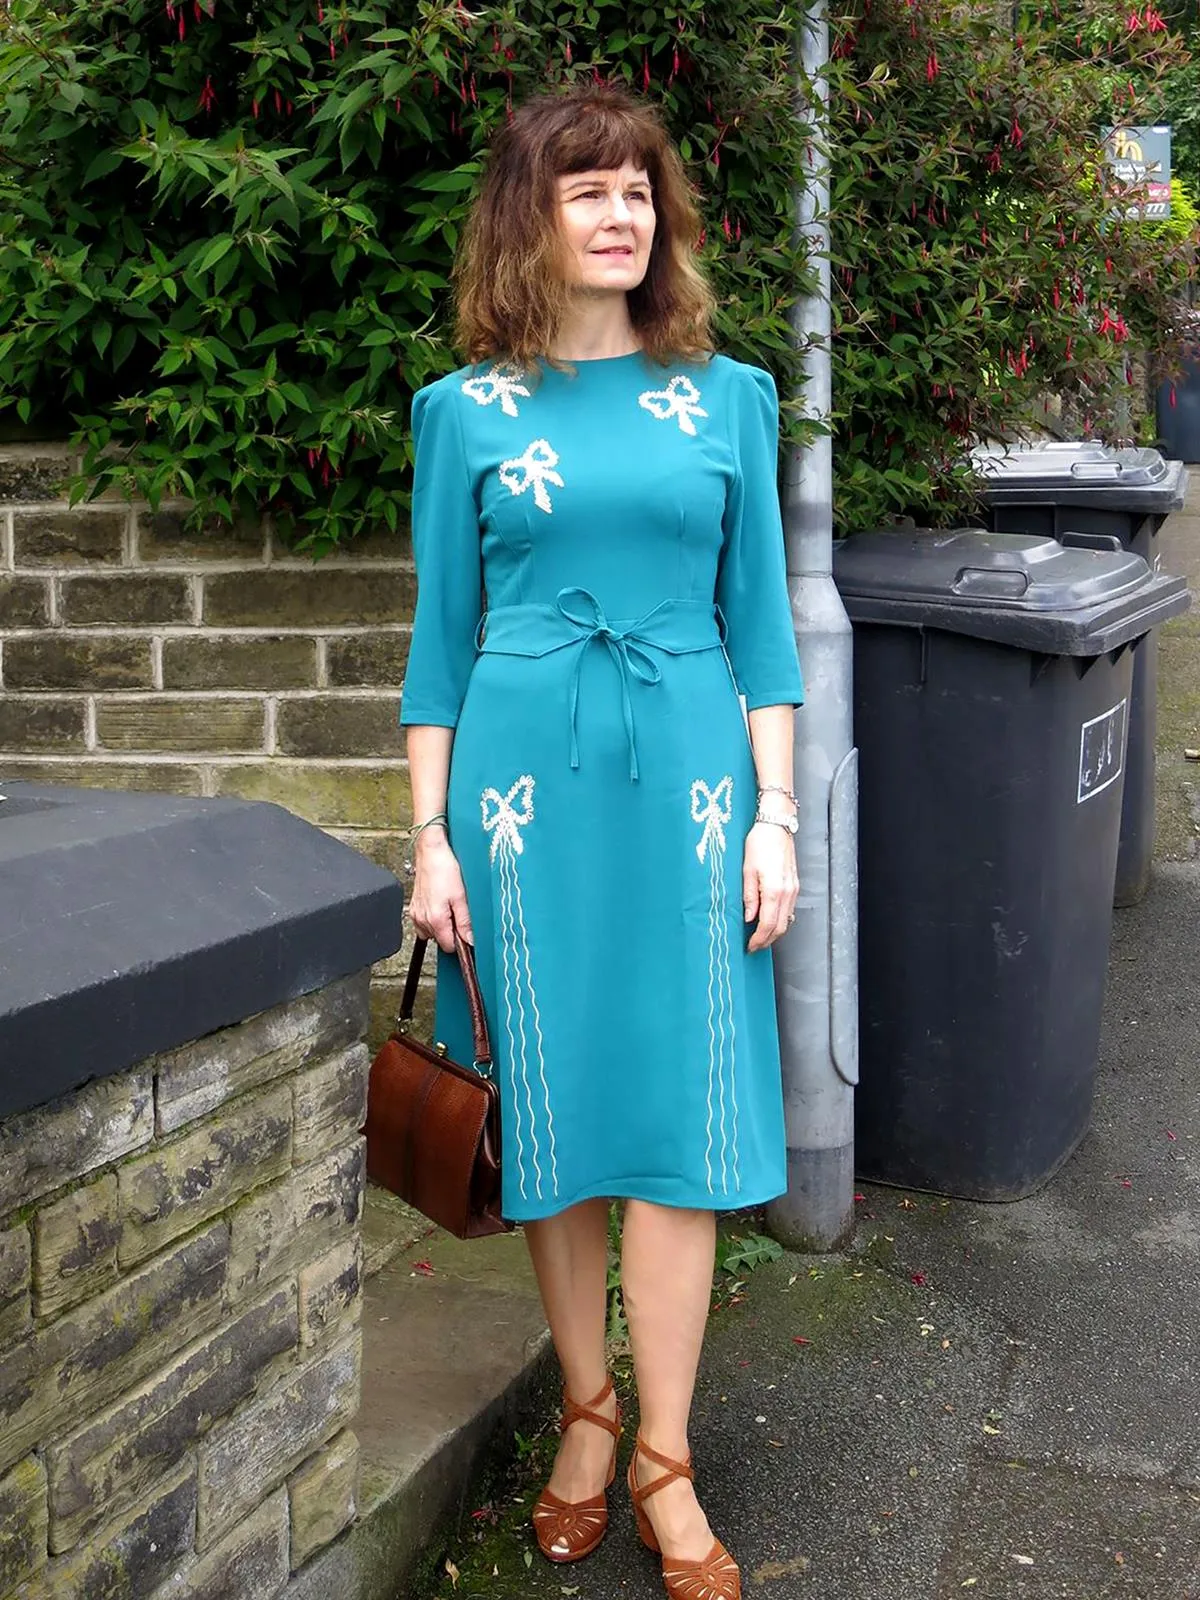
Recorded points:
770,882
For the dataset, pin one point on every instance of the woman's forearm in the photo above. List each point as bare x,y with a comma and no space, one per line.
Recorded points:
771,735
429,769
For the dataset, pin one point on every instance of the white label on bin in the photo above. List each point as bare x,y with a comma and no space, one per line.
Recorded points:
1101,752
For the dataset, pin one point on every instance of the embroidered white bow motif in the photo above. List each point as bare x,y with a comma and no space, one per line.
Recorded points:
535,467
680,398
504,820
499,383
713,808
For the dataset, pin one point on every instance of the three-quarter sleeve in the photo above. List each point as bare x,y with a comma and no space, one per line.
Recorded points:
446,544
752,580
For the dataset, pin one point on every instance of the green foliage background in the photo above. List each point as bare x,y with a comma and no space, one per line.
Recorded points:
226,232
978,264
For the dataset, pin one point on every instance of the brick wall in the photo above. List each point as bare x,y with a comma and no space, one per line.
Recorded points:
134,655
180,1262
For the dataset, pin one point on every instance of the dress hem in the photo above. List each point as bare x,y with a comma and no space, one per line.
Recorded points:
631,1190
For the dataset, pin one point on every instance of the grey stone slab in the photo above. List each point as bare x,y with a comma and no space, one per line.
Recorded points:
250,1564
96,1351
116,1456
52,1145
133,1555
256,1449
1042,1532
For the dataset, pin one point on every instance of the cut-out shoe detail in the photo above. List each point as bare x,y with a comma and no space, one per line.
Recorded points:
717,1577
569,1530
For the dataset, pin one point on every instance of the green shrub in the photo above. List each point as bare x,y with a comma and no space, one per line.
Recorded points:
977,264
226,231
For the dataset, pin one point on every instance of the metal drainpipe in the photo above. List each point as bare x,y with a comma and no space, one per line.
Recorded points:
816,963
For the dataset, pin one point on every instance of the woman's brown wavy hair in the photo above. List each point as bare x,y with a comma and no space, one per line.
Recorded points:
511,293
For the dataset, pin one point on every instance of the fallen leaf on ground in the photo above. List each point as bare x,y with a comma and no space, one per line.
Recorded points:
425,1268
1025,1561
453,1571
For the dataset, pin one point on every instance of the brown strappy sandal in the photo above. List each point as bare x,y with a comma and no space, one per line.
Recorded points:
566,1530
717,1577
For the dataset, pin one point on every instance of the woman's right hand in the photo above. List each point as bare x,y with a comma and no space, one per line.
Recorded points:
438,902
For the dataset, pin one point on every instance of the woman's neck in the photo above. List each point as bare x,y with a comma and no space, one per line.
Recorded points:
595,330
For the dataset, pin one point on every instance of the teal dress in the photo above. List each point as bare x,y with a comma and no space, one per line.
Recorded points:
623,522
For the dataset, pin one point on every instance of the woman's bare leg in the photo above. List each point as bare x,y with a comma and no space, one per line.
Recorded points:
667,1269
570,1257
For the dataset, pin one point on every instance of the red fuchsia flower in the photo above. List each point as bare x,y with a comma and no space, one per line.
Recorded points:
182,26
725,225
931,67
1171,397
1108,266
1133,22
320,12
701,239
1154,22
332,51
567,52
994,160
1016,134
646,73
254,109
278,101
208,96
1057,295
170,11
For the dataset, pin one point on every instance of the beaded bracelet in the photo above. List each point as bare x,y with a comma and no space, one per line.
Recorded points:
776,788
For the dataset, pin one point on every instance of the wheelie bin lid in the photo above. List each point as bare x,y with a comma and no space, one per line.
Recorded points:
1082,596
1080,472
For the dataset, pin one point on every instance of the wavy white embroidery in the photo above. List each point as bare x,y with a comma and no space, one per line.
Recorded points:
680,398
500,382
535,467
504,816
712,809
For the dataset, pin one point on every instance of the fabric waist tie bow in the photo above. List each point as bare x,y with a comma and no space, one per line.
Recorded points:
677,627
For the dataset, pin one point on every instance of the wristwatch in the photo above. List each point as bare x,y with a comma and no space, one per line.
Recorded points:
792,824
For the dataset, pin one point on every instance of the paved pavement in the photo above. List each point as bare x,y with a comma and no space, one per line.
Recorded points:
994,1401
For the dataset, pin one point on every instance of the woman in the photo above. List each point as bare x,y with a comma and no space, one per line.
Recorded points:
590,793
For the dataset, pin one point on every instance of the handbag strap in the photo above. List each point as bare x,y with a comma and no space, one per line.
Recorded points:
466,960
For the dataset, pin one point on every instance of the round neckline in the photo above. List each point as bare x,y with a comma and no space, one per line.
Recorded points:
599,361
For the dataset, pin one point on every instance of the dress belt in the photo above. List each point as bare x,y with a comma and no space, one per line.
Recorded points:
678,627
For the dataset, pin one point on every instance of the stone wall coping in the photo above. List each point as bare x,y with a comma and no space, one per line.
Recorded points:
133,922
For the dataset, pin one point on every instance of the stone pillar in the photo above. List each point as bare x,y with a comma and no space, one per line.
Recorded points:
180,1260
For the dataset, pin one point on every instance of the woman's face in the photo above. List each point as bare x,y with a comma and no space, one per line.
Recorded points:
607,223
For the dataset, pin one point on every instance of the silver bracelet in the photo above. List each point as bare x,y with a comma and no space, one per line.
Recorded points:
439,819
776,788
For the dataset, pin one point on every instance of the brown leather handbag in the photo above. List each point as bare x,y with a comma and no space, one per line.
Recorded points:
433,1127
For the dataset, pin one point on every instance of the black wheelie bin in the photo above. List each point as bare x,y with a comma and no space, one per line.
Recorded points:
992,679
1086,487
